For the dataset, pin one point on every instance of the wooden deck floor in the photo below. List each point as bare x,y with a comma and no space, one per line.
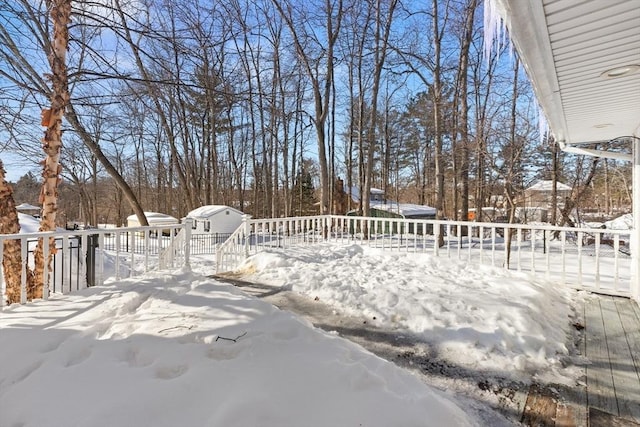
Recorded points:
612,345
611,397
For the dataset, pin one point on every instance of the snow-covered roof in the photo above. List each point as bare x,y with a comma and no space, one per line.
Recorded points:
405,209
544,185
156,218
27,207
208,211
354,192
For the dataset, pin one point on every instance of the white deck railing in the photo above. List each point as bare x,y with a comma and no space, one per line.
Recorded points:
593,259
120,252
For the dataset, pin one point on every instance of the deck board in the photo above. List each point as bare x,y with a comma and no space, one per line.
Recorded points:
627,354
600,387
577,396
625,378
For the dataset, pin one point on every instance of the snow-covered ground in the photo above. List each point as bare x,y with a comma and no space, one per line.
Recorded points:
180,349
480,317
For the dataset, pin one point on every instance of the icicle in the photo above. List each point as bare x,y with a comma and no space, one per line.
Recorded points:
543,125
496,34
491,27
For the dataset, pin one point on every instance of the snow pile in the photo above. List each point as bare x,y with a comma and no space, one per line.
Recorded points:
28,223
184,350
624,222
479,317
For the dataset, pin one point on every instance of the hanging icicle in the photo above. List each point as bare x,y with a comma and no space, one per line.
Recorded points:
495,32
543,125
496,37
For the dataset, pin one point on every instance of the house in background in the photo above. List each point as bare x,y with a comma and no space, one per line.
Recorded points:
380,207
28,209
153,218
538,201
215,219
540,194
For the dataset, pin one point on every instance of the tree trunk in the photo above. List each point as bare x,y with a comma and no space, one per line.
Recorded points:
382,31
12,250
437,122
509,191
464,108
52,142
577,194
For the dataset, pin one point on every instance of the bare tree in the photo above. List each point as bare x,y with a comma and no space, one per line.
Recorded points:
353,43
382,30
438,35
52,142
23,69
318,65
461,113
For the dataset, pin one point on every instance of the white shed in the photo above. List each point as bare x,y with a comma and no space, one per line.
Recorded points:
153,218
215,219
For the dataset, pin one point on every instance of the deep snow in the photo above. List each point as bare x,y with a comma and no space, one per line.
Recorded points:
181,349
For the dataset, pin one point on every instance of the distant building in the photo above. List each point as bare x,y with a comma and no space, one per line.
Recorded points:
540,194
153,218
28,209
215,219
383,208
538,200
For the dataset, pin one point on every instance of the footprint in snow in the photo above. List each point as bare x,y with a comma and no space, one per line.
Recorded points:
170,372
78,357
135,359
51,346
24,374
224,352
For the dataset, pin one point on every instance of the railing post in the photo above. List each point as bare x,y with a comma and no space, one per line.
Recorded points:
147,233
247,233
91,245
65,268
634,239
117,234
3,298
188,226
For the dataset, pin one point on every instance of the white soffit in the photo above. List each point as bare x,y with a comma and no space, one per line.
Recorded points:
566,46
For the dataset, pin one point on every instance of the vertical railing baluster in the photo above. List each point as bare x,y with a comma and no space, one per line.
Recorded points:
65,272
23,274
533,250
82,253
100,272
616,266
579,244
146,249
117,242
563,245
598,260
493,245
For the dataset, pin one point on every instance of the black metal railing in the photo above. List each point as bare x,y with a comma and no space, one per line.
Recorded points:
70,266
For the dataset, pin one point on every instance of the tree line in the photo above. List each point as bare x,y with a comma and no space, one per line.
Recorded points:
176,104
